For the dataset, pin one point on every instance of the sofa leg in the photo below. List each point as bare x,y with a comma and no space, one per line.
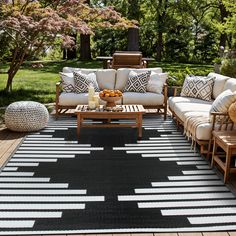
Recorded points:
57,113
165,113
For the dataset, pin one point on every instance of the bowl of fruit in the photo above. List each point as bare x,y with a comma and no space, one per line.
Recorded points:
110,96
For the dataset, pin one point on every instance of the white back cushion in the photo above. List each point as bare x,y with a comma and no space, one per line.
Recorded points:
156,82
223,101
69,69
88,71
230,84
219,83
106,78
122,75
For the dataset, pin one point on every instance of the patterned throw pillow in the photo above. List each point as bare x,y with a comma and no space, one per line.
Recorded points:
67,84
137,82
198,87
83,81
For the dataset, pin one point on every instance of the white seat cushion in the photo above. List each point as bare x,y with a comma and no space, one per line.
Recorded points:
123,74
146,99
74,99
172,101
181,108
203,131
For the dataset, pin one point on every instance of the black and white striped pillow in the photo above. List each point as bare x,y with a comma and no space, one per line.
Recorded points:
137,82
82,82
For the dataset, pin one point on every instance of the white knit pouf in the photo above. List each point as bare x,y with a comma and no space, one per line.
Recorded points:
26,116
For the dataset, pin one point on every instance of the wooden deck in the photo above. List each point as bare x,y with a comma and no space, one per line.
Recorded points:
9,142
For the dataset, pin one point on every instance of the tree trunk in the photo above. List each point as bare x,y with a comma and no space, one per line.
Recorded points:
72,52
17,60
85,50
159,45
11,73
223,14
64,53
223,40
133,39
8,87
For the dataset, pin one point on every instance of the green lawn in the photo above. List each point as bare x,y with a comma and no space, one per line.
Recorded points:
38,84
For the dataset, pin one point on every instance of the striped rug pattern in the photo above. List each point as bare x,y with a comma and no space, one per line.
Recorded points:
108,181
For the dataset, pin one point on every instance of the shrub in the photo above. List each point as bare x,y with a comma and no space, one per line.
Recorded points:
228,67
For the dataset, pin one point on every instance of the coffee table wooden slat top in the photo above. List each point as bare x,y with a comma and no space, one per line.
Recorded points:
126,109
134,112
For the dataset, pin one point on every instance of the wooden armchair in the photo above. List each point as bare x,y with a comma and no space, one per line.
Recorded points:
126,60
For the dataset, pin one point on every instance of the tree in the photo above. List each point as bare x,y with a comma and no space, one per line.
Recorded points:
131,10
229,25
158,17
33,26
85,48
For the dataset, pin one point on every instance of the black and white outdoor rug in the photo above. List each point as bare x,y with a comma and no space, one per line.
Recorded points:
108,182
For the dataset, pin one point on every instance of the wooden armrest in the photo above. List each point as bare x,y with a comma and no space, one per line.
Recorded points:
214,113
176,88
222,119
165,93
57,91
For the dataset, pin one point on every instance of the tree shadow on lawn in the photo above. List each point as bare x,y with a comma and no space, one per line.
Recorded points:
57,66
42,96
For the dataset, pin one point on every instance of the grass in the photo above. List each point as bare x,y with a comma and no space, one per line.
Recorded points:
38,84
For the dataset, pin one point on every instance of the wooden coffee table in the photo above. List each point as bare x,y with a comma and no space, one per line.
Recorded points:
131,112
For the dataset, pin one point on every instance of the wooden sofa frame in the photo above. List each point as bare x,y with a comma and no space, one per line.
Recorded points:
63,110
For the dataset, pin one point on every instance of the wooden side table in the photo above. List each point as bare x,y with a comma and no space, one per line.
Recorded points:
227,141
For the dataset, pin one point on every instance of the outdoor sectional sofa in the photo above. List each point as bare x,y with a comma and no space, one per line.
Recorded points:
198,111
112,79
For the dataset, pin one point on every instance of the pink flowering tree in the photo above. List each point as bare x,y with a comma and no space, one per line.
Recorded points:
33,26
